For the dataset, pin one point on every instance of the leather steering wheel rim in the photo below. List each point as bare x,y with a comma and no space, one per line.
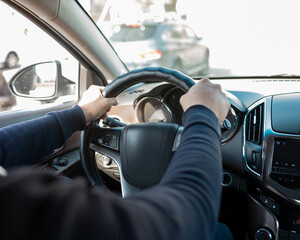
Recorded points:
148,75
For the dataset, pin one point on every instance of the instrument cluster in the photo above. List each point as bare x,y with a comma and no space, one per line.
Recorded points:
164,106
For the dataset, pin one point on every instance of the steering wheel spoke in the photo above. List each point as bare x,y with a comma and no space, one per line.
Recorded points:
107,138
103,150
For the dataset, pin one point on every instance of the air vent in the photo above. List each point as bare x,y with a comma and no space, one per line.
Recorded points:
136,91
254,125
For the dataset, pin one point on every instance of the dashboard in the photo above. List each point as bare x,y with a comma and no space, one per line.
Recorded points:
260,142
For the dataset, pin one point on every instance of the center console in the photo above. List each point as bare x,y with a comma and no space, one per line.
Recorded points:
272,157
286,163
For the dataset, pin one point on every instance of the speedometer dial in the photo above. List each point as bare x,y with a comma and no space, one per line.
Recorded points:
150,109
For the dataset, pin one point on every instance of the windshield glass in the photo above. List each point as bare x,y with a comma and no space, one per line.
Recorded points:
209,37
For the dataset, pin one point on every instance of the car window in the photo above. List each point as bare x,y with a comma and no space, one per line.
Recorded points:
127,33
24,44
177,32
189,33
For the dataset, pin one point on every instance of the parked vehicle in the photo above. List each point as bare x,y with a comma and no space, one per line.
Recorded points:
168,44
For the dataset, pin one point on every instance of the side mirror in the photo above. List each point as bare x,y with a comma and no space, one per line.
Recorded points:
41,81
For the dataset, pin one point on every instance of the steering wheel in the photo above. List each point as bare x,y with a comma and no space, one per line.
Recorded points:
141,151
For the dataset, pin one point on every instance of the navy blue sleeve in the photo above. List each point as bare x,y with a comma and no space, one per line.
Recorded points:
28,142
184,205
187,200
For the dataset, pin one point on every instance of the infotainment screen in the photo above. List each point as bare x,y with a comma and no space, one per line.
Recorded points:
286,162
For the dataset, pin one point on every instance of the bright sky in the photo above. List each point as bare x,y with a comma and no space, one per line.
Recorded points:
248,35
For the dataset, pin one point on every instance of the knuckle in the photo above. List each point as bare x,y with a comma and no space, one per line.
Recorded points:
217,87
205,80
228,104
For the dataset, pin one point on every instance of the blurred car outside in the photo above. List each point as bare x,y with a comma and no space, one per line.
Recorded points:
166,43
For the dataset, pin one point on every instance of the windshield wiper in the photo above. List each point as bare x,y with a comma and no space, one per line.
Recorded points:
284,75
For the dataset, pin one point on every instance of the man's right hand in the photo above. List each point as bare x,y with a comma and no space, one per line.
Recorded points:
94,105
208,94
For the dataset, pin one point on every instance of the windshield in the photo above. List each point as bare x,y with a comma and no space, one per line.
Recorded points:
205,38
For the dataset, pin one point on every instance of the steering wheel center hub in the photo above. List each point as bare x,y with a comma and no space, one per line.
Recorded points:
145,151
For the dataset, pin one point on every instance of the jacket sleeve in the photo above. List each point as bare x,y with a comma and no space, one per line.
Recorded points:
184,205
187,199
28,142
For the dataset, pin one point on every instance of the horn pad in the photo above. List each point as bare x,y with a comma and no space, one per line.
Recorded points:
146,150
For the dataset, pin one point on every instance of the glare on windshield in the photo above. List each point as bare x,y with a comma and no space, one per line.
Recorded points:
209,37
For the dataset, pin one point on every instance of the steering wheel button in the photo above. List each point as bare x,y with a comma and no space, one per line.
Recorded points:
106,139
113,141
264,199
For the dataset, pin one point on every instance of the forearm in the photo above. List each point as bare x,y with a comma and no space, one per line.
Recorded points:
185,204
30,141
190,190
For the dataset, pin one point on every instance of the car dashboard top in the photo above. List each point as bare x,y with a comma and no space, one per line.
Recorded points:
260,135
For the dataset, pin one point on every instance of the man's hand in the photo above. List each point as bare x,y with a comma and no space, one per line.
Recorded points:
94,105
208,94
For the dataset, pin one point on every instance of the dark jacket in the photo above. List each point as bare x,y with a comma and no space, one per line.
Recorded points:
35,205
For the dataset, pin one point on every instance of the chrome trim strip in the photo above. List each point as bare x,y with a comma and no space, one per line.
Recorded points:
262,101
177,139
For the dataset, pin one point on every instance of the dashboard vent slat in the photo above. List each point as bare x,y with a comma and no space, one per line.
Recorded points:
254,125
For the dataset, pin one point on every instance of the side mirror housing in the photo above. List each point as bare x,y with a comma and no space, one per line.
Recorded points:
41,81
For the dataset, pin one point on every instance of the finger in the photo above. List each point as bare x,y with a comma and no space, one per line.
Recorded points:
101,93
104,116
204,80
112,101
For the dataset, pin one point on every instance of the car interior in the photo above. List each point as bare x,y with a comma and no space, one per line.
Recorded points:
260,139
